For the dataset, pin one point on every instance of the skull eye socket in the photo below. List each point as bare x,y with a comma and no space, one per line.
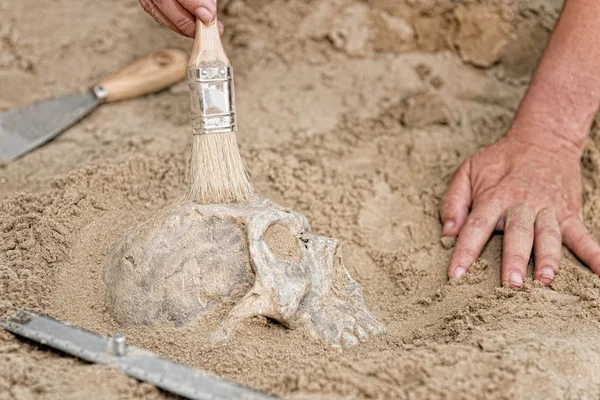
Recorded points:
283,243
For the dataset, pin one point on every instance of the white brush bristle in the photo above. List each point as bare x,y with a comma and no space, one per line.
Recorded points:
217,173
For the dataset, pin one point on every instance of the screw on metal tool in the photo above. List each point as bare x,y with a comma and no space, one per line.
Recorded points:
119,346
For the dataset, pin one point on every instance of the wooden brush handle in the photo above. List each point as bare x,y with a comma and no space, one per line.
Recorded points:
149,74
207,46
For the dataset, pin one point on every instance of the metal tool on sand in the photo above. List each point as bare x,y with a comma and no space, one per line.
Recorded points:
25,128
133,361
216,171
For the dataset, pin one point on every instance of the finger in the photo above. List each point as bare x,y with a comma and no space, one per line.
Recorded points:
154,12
547,246
582,243
517,244
184,20
475,233
206,10
221,27
457,200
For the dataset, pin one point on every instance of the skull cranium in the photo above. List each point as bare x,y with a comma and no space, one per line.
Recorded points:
191,258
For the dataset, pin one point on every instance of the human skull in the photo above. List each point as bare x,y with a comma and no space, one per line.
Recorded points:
190,259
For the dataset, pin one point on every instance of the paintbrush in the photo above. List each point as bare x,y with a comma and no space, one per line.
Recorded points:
216,171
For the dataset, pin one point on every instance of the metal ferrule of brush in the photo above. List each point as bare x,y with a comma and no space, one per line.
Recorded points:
213,100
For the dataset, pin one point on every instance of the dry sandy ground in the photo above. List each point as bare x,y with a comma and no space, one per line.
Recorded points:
355,113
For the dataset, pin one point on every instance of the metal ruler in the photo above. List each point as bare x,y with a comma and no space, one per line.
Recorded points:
133,361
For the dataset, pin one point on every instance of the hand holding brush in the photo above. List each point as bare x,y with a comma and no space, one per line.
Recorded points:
180,15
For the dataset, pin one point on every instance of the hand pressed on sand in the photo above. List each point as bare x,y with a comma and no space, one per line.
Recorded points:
528,184
180,15
530,193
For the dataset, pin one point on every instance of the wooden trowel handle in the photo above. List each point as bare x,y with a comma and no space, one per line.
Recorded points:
149,74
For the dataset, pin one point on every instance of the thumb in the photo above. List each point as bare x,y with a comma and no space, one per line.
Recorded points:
206,10
457,200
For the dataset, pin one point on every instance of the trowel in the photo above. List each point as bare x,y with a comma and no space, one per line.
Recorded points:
26,128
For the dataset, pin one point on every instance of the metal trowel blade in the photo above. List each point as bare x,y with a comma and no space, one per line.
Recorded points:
25,128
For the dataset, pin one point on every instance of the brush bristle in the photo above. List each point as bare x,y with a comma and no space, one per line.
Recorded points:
217,173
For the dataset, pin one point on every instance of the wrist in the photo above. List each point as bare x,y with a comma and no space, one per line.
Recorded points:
554,119
555,138
556,112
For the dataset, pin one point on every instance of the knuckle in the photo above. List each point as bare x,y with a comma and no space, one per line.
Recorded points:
582,239
547,213
150,8
446,208
521,212
518,227
465,253
547,260
446,203
517,259
194,4
546,233
528,209
184,24
522,208
479,222
147,5
450,196
211,5
544,225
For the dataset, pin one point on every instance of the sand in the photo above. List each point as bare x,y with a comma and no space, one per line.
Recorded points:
355,113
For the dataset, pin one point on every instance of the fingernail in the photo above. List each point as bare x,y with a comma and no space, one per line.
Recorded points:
458,272
515,279
447,226
547,273
204,14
